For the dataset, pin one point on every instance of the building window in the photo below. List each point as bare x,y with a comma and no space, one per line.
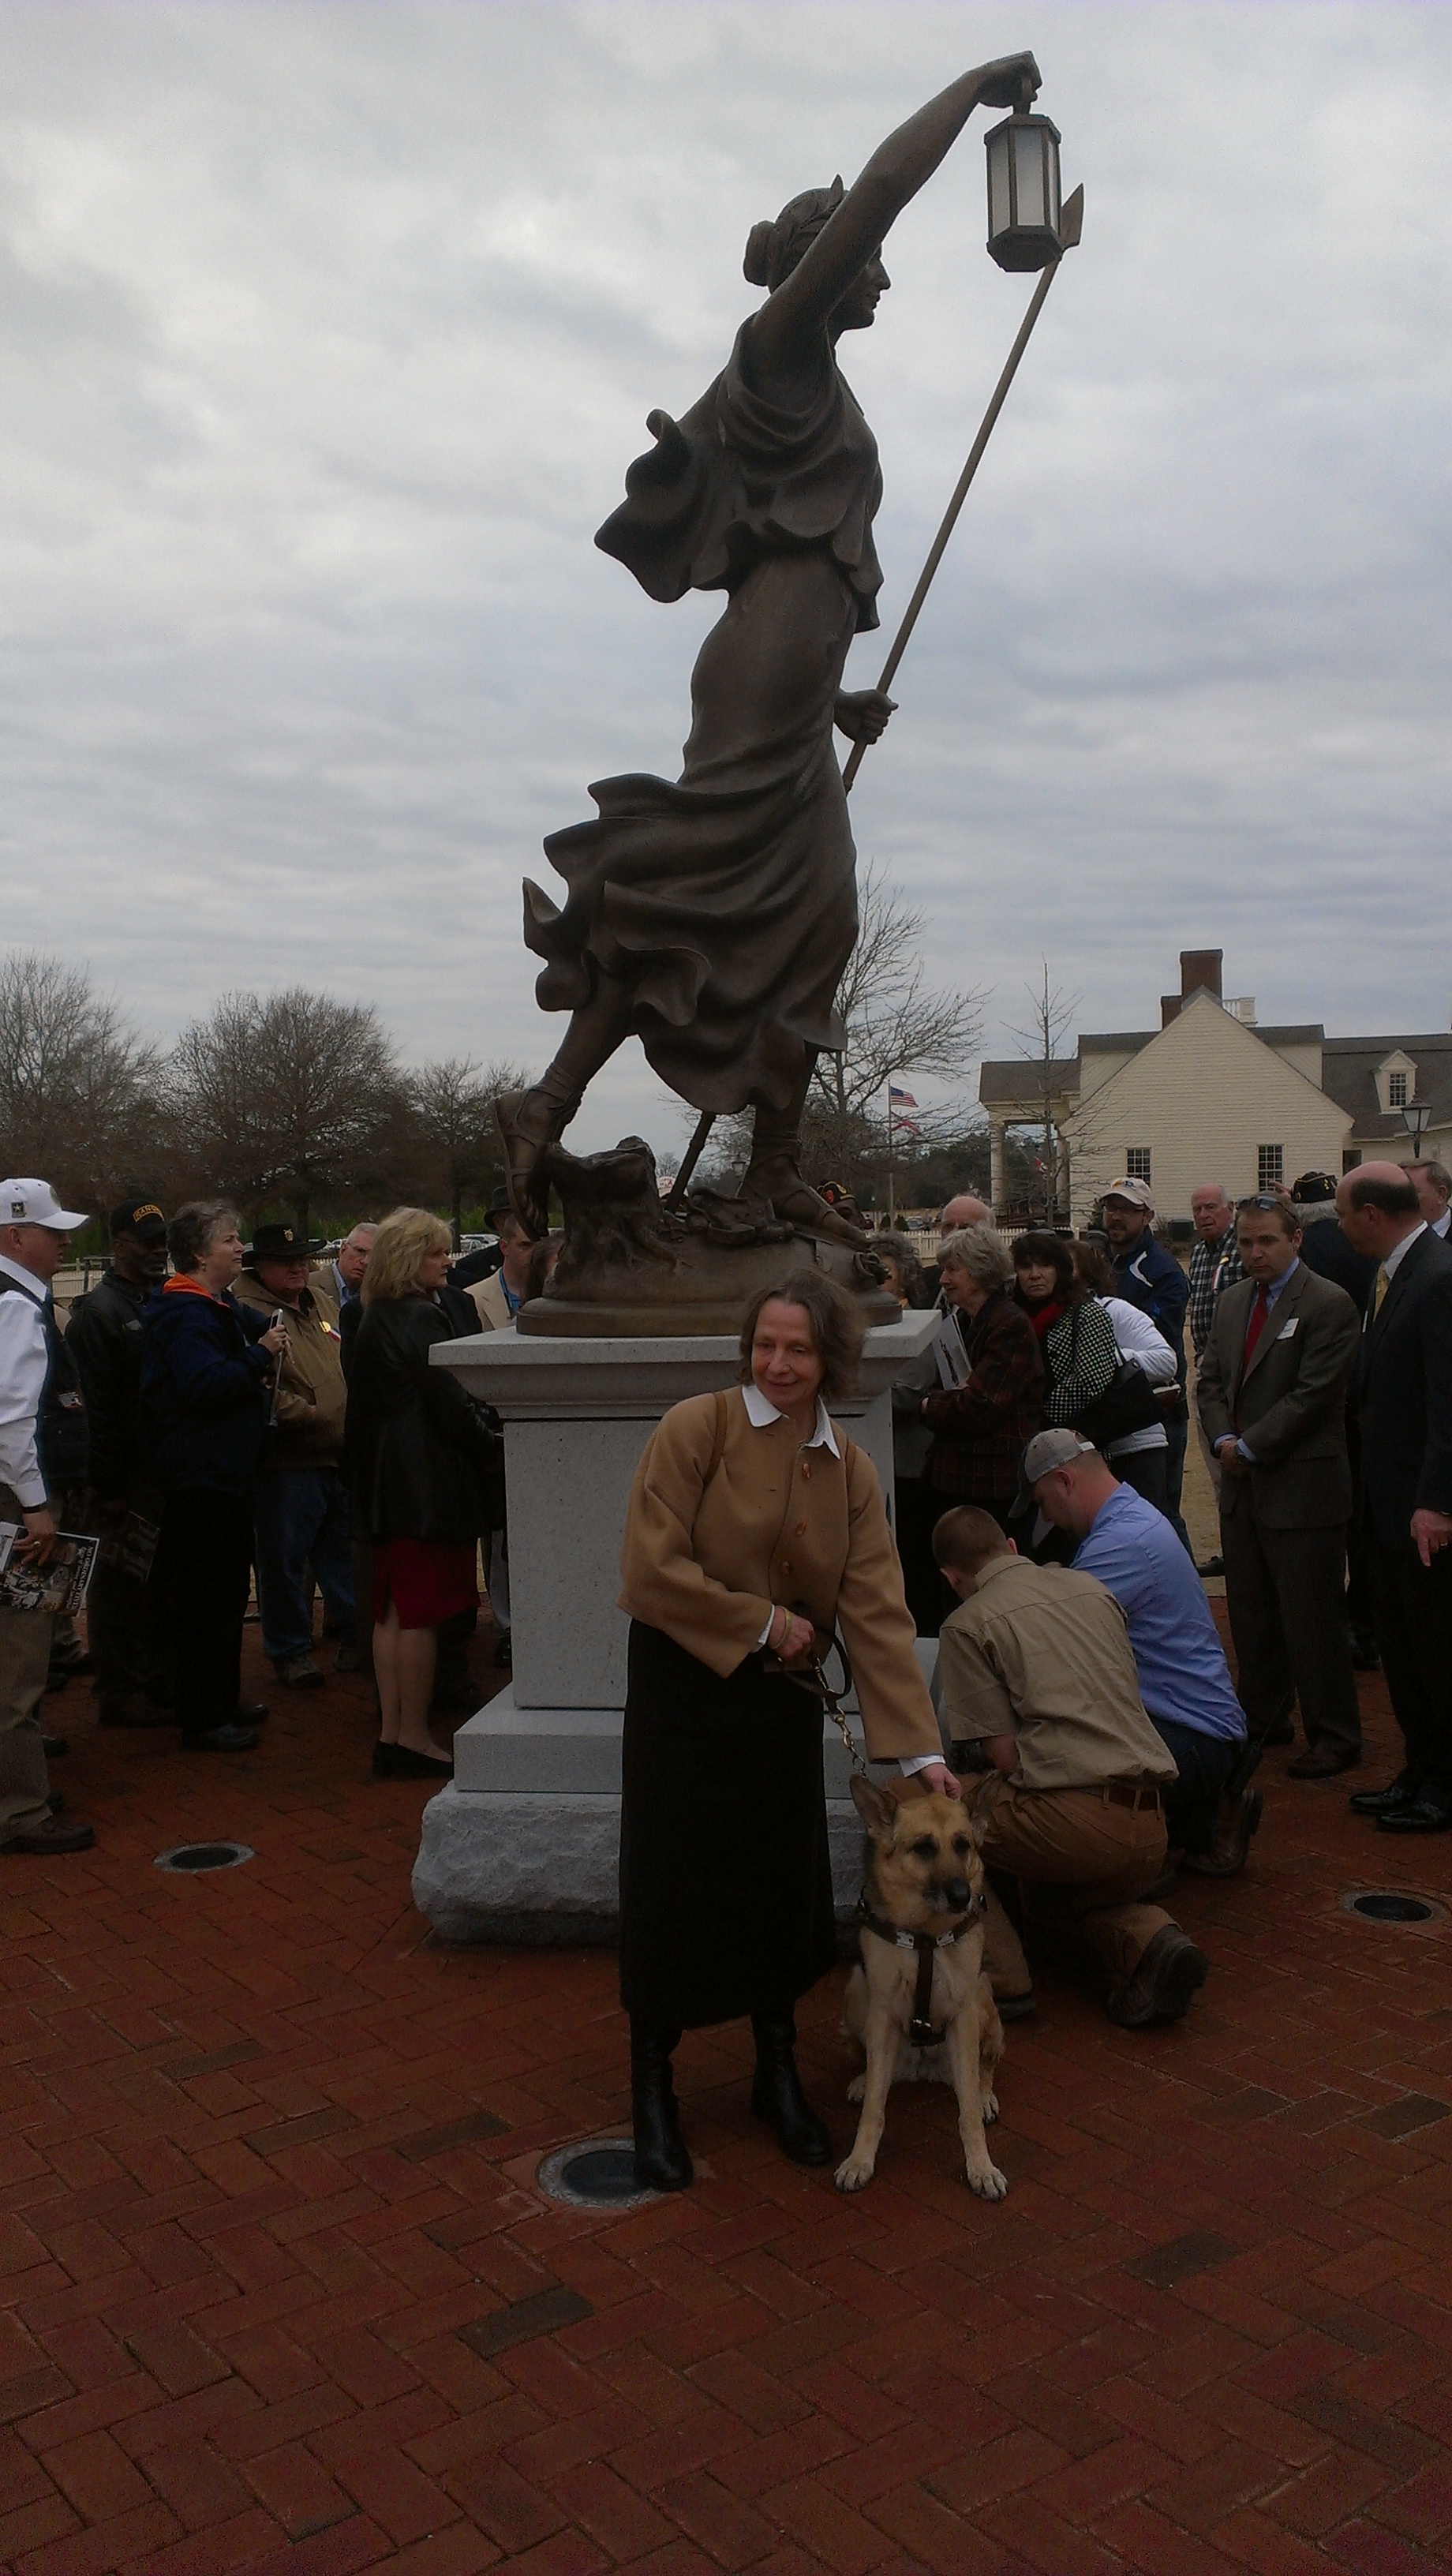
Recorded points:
1271,1166
1137,1163
1350,1157
1396,1091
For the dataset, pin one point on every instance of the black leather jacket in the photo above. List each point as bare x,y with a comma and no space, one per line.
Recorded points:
421,1459
105,1334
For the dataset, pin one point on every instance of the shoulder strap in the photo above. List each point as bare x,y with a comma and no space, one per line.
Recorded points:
718,1436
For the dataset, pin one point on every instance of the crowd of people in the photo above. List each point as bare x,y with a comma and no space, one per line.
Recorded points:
217,1415
217,1411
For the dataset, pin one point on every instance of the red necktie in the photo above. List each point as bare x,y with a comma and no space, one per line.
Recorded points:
1258,1313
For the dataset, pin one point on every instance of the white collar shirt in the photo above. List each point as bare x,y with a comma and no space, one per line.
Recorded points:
24,1360
761,1413
1399,1251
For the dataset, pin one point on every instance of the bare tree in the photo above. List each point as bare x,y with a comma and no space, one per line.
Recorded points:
292,1095
1052,1015
78,1090
897,1023
452,1102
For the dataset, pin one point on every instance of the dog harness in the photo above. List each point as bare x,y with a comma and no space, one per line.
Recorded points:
921,2030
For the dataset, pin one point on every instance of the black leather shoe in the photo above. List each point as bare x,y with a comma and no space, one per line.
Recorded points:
1399,1792
1428,1813
218,1739
250,1712
1322,1762
1212,1566
400,1762
662,2162
777,2096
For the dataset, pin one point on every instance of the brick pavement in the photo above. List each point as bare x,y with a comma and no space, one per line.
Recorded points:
279,2293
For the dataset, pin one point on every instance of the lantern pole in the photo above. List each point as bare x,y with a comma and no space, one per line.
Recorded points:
1071,225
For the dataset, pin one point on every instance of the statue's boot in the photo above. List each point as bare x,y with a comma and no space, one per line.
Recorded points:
772,1182
528,1122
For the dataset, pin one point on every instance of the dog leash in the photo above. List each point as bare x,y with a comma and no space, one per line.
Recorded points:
812,1676
921,2029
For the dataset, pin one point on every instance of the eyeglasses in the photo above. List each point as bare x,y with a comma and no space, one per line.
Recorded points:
1262,1199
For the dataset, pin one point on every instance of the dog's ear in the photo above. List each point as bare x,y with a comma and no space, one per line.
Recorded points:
976,1830
877,1810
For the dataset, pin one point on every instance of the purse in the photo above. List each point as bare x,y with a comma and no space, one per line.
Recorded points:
1129,1402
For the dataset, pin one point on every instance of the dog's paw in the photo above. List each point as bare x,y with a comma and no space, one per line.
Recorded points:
990,2184
990,2108
857,2088
855,2174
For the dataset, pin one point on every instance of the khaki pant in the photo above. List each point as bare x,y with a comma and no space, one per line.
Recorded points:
24,1664
1081,1863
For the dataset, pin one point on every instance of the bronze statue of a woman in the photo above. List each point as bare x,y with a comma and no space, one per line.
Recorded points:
713,919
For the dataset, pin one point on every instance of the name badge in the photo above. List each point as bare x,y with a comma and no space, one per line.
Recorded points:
1287,1330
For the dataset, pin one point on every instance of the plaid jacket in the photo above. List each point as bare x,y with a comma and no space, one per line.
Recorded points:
979,1429
1214,1267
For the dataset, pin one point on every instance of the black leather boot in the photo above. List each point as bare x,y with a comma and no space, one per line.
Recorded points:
777,2096
661,2160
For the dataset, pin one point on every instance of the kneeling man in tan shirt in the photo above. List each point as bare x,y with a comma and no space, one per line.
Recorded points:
1036,1669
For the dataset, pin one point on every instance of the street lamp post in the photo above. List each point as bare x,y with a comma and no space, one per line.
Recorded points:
1417,1118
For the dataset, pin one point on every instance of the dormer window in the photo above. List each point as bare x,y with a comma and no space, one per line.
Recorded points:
1396,1083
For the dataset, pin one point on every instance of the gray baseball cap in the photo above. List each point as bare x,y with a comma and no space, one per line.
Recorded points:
1050,1449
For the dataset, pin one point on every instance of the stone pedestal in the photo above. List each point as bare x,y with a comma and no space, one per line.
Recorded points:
523,1845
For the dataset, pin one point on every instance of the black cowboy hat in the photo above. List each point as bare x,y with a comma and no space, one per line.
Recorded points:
279,1243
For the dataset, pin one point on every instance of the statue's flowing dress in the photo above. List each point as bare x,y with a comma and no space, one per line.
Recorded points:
726,903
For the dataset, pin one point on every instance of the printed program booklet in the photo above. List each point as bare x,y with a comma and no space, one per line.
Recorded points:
60,1584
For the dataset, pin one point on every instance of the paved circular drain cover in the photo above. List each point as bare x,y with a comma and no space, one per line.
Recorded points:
594,2173
1393,1905
197,1856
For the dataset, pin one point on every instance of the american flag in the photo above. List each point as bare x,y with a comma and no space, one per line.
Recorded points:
900,1099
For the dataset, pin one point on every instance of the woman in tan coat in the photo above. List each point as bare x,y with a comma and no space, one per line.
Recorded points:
753,1522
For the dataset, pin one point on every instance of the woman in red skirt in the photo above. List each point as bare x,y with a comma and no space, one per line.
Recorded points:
421,1458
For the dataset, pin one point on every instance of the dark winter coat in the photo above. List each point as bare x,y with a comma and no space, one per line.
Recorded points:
204,1391
421,1458
106,1334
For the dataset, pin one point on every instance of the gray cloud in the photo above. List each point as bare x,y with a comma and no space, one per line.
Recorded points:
328,334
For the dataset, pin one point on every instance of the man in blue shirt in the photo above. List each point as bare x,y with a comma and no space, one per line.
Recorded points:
1184,1679
1147,1276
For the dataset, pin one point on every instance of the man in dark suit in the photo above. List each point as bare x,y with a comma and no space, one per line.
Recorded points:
1403,1397
1273,1382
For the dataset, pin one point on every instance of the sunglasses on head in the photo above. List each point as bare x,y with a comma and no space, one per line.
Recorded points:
1262,1199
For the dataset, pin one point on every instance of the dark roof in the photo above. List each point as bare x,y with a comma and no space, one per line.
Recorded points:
1011,1078
1348,1076
1020,1077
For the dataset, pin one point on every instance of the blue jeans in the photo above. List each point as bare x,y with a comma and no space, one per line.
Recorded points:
1205,1763
300,1520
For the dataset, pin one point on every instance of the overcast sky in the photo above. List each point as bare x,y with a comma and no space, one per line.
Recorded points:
330,331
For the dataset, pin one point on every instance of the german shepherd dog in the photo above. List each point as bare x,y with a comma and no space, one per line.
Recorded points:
924,1886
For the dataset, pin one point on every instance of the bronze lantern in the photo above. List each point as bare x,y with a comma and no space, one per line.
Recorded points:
1023,191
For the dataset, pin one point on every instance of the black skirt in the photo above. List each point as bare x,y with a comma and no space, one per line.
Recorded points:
725,1875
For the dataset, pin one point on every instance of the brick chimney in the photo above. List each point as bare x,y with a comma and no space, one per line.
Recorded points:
1200,971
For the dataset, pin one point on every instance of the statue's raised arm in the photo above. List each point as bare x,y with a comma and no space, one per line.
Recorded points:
805,302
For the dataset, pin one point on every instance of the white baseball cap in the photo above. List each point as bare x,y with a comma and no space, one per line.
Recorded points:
35,1203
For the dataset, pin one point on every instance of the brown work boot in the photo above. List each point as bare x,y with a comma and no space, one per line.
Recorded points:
57,1834
1237,1820
1170,1970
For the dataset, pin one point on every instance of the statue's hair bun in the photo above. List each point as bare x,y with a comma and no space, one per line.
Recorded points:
761,243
